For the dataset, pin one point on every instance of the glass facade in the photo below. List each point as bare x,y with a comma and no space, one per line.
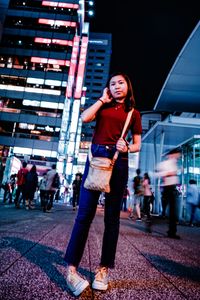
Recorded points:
191,159
190,169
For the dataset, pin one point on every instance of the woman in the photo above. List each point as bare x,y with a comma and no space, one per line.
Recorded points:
110,112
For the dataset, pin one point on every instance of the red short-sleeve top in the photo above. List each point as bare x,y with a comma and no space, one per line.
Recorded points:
110,122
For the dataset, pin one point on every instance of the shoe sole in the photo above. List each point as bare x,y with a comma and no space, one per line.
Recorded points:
82,287
99,286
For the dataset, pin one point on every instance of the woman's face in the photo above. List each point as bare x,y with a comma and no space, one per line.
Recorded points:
118,87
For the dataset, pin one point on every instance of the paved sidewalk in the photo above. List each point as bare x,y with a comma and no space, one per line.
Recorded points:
148,265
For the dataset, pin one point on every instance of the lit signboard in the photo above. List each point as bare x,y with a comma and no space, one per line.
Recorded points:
59,62
81,67
60,4
53,41
57,22
72,67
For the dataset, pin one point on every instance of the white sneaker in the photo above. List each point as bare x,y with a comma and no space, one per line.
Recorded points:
101,279
76,283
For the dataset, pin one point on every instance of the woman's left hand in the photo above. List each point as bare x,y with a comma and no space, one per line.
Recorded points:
122,146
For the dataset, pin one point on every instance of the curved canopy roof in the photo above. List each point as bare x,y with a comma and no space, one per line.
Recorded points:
181,90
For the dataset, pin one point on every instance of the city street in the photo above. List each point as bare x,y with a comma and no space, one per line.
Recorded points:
148,265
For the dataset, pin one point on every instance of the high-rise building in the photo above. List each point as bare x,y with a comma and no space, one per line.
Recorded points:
42,64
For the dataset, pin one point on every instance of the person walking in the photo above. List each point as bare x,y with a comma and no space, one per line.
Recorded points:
31,185
9,189
42,189
110,112
146,183
76,185
21,180
126,195
192,199
138,193
168,169
50,188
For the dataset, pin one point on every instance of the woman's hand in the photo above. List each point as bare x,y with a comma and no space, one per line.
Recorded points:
106,97
122,145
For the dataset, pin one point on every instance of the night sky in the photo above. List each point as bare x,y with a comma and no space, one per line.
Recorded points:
147,38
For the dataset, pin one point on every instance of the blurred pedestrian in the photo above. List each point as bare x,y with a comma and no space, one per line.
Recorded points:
7,191
2,168
21,180
76,185
138,193
192,199
125,197
168,169
110,112
50,188
31,186
146,183
43,192
164,202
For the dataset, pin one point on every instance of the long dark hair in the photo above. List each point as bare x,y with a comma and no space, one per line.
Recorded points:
33,169
130,100
146,176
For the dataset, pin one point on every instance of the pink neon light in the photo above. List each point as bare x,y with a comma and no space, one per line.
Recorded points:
57,22
41,60
53,41
81,67
72,67
60,4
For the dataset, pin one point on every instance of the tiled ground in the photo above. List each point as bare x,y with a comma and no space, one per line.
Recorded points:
148,265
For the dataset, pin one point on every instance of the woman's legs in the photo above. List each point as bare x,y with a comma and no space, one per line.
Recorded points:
86,212
112,213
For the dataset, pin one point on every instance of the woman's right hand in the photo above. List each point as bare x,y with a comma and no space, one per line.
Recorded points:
106,97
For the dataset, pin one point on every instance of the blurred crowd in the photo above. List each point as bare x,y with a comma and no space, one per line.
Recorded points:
25,189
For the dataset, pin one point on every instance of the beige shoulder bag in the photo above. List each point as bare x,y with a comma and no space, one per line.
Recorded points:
100,169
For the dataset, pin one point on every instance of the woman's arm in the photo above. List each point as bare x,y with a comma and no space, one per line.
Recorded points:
135,147
90,113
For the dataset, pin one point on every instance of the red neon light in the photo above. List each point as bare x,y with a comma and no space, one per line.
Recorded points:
72,67
57,22
53,41
60,4
42,60
81,68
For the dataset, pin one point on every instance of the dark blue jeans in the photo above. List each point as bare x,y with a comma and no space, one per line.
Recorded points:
87,207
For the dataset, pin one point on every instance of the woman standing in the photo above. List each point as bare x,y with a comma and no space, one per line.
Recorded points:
110,112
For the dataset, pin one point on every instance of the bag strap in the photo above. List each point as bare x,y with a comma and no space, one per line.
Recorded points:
128,118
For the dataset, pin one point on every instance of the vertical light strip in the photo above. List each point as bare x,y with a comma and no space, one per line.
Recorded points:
72,67
81,67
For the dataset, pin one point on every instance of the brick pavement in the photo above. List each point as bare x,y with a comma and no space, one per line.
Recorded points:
148,265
